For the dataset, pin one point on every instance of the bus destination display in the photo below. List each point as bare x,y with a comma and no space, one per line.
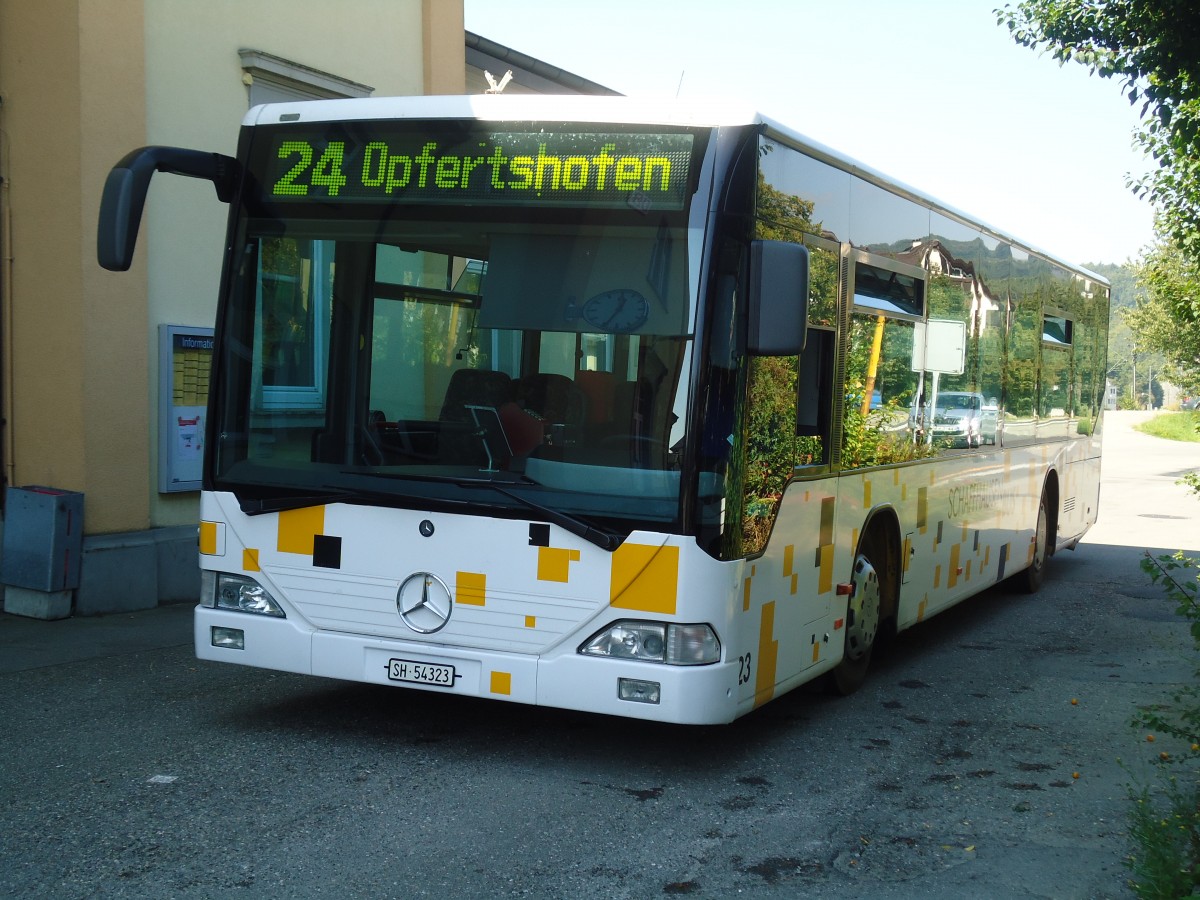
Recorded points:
585,169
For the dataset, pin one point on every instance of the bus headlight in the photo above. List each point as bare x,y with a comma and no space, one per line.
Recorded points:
674,645
222,591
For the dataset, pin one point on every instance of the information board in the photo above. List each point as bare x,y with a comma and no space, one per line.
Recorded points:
184,363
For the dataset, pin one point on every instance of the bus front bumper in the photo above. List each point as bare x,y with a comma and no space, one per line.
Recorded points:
699,695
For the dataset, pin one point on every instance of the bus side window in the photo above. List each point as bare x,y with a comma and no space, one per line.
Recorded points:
814,399
881,393
767,444
814,395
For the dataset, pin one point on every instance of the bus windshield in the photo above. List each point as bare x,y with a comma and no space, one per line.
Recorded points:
425,352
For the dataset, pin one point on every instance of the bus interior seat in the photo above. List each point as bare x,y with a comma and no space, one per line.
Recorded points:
372,439
474,387
556,398
598,388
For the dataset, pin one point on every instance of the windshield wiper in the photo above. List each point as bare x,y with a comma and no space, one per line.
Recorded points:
257,506
576,526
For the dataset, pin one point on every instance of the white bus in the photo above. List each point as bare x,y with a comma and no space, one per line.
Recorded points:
612,405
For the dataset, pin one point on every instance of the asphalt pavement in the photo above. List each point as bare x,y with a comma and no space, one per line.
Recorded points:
34,643
1141,501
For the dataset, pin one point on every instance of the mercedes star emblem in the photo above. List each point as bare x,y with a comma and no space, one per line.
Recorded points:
424,602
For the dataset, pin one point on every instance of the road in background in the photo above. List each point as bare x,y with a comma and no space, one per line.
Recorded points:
1141,502
981,759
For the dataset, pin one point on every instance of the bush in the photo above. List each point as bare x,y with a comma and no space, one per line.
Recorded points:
1165,818
1165,865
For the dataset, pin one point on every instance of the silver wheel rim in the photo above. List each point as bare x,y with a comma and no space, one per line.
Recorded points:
1039,537
863,614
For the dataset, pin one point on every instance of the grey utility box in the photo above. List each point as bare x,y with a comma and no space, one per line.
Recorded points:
43,538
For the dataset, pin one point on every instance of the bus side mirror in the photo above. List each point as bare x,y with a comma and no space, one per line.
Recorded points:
778,299
120,214
125,194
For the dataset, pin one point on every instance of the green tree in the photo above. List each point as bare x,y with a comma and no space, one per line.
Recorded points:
1153,48
1164,322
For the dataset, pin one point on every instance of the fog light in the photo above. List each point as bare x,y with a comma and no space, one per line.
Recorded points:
638,691
229,638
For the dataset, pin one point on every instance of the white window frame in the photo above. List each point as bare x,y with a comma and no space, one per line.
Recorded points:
283,79
307,397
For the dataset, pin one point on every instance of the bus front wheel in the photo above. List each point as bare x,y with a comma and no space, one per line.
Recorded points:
864,615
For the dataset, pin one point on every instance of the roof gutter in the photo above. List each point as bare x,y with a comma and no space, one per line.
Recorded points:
518,60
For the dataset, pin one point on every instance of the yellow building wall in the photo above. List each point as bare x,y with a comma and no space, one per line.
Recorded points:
83,82
71,107
445,53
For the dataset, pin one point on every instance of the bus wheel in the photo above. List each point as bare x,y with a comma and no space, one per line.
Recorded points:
1031,579
863,618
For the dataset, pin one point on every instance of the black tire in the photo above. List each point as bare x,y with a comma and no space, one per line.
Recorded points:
1030,580
865,614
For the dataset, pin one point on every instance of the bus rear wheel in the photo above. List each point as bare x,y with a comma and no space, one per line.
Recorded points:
1030,580
864,616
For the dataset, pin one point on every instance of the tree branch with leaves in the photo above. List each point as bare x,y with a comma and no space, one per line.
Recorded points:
1165,321
1152,47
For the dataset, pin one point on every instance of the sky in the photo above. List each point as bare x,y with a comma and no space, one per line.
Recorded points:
933,93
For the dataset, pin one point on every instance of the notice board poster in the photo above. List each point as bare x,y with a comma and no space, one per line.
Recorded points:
185,361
